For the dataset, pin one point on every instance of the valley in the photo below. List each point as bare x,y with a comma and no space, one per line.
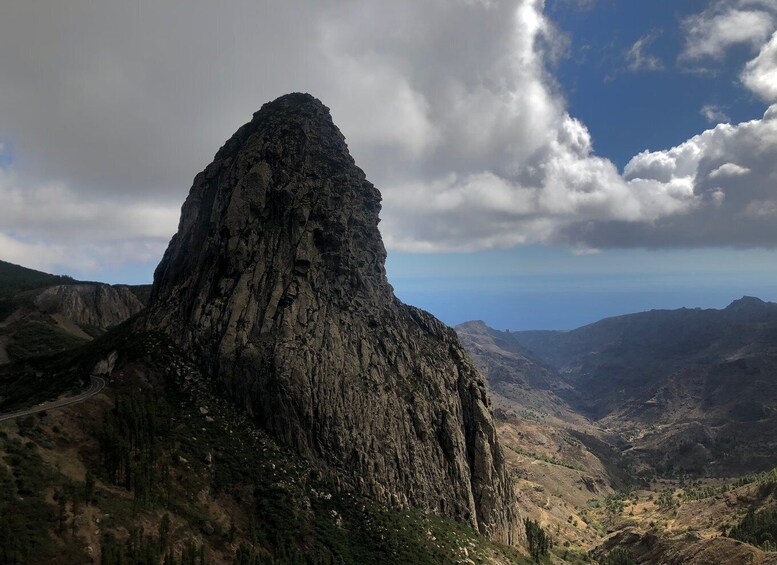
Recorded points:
643,432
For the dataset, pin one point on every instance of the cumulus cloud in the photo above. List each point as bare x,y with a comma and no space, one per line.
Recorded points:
727,23
562,185
449,107
727,170
503,163
730,172
760,74
727,173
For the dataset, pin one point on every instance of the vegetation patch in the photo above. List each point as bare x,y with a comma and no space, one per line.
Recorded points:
546,458
34,338
15,279
757,528
26,518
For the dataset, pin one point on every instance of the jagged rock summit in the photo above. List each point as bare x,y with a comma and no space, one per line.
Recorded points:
275,281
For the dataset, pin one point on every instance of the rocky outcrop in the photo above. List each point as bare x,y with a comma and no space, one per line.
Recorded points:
94,305
49,320
275,281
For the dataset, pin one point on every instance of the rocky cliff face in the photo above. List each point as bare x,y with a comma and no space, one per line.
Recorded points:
516,380
276,282
48,320
97,305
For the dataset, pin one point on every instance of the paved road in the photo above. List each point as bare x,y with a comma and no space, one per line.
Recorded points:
97,384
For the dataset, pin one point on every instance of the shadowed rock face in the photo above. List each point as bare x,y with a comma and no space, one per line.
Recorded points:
96,305
276,282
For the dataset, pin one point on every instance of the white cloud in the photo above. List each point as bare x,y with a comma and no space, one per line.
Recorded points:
566,184
46,256
81,258
583,251
50,226
724,24
55,211
729,175
714,114
727,170
381,107
760,74
761,208
639,60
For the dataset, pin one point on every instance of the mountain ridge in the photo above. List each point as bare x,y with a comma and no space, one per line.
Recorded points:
693,389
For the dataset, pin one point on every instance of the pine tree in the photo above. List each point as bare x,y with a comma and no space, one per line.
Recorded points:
164,532
89,488
539,543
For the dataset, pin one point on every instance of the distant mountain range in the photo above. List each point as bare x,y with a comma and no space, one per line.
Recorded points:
690,390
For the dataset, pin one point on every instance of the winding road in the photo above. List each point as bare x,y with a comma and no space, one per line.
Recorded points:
97,384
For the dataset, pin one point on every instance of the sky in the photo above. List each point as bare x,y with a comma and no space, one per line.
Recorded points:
542,164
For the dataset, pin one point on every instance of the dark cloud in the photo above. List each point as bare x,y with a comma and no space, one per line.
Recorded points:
449,106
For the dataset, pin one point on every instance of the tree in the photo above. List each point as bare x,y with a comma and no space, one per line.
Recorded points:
89,488
62,510
613,505
164,531
759,529
666,501
539,543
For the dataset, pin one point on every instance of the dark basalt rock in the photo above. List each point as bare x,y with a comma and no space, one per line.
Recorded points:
275,281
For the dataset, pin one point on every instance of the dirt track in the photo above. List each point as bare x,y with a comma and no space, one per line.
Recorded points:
97,384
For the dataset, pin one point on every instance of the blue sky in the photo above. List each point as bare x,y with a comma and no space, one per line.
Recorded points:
663,105
543,164
551,288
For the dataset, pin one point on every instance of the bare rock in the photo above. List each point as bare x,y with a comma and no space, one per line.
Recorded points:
97,305
275,281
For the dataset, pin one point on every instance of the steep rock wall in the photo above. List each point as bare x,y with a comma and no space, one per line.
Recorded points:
276,282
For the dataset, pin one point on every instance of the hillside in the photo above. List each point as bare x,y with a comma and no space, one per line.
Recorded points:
15,279
274,403
53,319
654,492
161,463
693,390
42,314
559,458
